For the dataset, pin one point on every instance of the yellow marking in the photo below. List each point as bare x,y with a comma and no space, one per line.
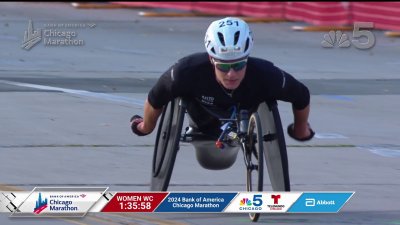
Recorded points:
96,5
321,28
392,33
263,20
166,14
197,14
5,187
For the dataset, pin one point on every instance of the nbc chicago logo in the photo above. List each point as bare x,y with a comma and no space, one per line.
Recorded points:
40,204
247,204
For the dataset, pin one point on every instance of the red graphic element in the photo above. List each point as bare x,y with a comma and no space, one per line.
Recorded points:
83,195
135,202
276,198
40,209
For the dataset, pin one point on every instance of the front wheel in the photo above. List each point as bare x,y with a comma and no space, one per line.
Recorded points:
255,158
274,146
167,144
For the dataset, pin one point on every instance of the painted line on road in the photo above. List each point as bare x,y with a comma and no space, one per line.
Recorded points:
339,97
385,150
109,97
329,136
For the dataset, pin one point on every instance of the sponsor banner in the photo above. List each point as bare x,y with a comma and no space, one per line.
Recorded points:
316,202
262,202
58,202
76,202
196,202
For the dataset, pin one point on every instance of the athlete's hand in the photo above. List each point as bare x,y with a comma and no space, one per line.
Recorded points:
300,133
135,121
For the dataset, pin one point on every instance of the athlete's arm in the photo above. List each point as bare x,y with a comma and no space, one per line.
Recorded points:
298,94
301,126
158,97
150,118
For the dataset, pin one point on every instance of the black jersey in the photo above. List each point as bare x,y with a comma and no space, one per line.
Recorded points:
193,78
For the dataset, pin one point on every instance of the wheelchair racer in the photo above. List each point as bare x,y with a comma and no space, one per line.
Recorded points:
223,77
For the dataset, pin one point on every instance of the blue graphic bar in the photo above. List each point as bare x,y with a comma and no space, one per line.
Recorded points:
195,202
320,202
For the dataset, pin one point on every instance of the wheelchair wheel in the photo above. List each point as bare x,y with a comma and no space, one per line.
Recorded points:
255,157
274,146
167,144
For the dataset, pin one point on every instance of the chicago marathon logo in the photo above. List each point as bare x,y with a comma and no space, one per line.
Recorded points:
40,204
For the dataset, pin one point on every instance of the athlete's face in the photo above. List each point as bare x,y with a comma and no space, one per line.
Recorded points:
229,73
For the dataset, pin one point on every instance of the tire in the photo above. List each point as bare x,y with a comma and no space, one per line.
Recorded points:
274,146
256,146
167,144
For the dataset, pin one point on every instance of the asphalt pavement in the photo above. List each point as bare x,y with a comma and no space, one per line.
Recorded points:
65,110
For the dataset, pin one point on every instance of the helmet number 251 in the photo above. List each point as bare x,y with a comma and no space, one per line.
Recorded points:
228,23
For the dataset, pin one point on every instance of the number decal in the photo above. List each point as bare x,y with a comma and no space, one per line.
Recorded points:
257,201
357,33
228,23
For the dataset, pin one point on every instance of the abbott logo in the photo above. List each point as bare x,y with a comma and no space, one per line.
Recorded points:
31,37
310,202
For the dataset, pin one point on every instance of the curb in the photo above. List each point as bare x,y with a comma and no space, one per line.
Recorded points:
321,28
262,20
168,14
79,5
194,14
392,33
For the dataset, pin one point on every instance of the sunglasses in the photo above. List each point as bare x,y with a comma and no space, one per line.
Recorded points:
225,67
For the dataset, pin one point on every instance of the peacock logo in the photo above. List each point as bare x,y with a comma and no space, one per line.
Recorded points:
245,202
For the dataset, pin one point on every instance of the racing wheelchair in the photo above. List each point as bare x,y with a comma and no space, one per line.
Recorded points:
259,135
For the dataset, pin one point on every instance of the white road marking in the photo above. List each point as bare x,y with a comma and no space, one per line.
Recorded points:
329,136
390,151
110,97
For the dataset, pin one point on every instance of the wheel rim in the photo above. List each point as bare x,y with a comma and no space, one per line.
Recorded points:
163,134
255,174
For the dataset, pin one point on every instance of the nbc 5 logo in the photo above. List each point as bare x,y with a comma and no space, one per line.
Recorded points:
257,201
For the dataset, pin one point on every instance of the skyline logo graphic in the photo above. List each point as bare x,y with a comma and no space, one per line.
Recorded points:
31,37
245,202
40,204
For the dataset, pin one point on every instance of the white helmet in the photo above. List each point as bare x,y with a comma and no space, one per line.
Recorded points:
228,39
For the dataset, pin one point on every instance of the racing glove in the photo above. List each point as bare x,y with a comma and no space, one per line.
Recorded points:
290,130
136,119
